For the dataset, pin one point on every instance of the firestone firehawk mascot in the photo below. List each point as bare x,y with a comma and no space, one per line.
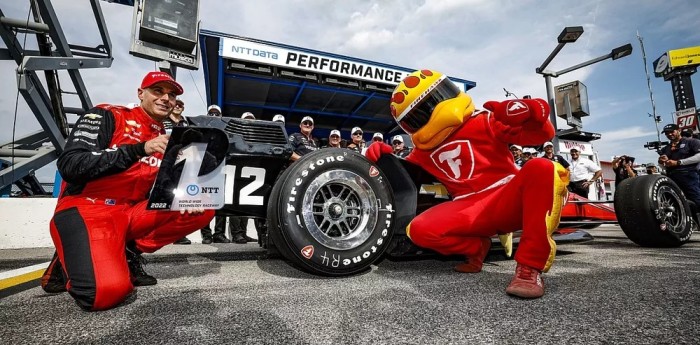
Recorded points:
467,151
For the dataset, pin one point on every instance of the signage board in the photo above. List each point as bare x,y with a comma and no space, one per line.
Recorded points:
687,118
259,52
583,147
684,57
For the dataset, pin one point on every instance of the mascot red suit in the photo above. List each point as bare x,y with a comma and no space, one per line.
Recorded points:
467,151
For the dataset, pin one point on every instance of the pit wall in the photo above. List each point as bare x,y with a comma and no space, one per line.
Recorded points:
24,223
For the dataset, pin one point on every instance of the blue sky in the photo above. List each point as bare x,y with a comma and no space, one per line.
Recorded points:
497,44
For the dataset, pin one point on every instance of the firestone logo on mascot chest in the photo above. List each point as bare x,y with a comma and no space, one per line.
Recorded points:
455,159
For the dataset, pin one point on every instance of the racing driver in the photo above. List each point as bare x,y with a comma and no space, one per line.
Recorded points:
101,225
467,151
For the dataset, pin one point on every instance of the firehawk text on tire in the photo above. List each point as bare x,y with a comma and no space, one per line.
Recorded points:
331,213
653,212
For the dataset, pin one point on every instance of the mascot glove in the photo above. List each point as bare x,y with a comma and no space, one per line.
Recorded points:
376,150
516,111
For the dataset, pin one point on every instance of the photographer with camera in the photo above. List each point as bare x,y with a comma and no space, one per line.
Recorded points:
623,167
681,158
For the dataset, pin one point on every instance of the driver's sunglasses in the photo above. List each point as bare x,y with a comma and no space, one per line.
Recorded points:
357,133
178,105
397,142
307,123
377,139
335,137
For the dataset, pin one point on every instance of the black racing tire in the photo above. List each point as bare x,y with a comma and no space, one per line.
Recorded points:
653,212
331,213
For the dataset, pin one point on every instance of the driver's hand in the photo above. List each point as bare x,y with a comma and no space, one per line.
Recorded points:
157,144
192,211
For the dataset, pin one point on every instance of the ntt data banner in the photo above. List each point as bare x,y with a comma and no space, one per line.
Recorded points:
300,60
268,54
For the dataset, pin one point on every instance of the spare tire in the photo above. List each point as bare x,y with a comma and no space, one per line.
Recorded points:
331,213
653,212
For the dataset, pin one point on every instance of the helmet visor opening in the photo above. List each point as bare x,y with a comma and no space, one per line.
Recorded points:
420,114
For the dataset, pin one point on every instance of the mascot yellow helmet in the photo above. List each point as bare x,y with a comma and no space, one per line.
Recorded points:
429,107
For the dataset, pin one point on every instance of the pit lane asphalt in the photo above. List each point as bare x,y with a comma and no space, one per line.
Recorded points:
604,291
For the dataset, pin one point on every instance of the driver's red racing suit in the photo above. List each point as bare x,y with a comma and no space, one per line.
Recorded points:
107,177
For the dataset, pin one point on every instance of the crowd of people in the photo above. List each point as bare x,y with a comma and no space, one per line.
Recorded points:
304,142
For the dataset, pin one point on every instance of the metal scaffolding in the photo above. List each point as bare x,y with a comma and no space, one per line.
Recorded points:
21,157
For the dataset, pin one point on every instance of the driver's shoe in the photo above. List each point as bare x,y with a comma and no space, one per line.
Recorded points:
139,277
527,283
53,281
473,264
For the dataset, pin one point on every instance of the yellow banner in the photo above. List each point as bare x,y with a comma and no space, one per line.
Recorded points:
684,57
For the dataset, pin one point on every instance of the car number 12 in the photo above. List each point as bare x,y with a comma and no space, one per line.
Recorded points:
244,196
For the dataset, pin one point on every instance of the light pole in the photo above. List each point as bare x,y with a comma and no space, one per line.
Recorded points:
569,35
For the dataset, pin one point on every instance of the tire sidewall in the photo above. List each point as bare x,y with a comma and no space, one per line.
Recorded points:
654,192
307,250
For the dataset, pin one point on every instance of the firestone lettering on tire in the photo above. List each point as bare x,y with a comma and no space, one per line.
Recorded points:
304,173
655,189
368,253
335,259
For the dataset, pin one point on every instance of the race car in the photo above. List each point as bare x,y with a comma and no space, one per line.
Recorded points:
332,212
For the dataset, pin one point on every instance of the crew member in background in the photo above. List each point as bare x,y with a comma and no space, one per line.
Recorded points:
680,158
278,118
527,155
176,119
517,152
652,169
101,224
214,110
357,143
334,139
584,172
303,142
549,154
399,147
